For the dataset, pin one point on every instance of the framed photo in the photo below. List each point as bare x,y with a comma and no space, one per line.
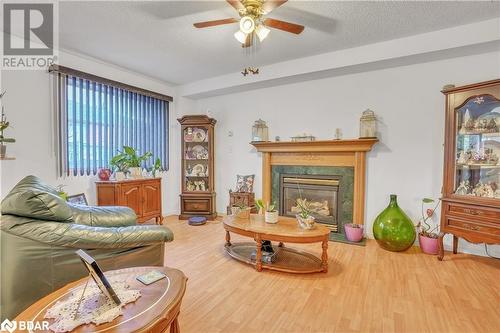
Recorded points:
78,199
98,276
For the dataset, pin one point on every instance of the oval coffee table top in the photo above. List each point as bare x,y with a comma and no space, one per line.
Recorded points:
286,227
159,302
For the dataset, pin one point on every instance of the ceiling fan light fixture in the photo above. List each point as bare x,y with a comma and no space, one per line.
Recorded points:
247,24
240,36
262,32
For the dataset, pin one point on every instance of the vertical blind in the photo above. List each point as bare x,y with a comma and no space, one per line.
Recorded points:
95,121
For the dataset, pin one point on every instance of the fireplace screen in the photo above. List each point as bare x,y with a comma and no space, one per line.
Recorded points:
316,192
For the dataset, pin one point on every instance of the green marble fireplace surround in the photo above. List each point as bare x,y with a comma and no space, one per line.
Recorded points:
345,175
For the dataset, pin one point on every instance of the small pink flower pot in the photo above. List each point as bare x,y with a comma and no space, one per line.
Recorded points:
353,234
428,245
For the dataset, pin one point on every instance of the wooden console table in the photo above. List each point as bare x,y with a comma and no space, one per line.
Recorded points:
156,309
285,231
142,195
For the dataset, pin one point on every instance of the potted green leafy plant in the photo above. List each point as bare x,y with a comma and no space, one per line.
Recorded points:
4,124
135,160
119,165
426,229
129,160
156,167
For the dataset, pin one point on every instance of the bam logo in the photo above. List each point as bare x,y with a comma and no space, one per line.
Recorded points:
9,326
33,23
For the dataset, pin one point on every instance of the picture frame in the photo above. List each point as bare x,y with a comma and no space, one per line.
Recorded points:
98,276
78,199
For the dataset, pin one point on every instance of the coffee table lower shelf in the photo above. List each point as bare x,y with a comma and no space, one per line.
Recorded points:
287,259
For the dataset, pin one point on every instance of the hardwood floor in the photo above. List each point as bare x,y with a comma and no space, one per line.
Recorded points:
366,289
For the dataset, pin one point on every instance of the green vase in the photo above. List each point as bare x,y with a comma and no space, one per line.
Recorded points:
393,229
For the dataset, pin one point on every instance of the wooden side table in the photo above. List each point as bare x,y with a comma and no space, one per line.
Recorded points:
156,309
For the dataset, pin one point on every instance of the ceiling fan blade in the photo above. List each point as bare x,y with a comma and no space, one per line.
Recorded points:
285,26
269,5
236,4
214,23
248,41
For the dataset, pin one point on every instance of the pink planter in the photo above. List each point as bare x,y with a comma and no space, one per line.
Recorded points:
353,234
428,245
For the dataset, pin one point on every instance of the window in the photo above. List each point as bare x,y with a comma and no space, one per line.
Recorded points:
95,120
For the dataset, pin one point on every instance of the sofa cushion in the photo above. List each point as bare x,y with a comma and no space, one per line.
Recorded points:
33,198
103,216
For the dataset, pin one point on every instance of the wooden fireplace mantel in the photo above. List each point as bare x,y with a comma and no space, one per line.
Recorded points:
319,153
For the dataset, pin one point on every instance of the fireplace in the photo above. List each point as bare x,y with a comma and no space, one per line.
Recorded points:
320,193
345,159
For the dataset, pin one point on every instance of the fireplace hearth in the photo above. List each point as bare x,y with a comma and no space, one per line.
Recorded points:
319,192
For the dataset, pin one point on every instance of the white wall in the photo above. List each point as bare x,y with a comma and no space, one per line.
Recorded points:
28,107
409,159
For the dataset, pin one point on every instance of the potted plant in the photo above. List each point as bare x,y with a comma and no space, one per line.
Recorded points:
4,124
241,211
353,232
427,229
156,167
119,165
271,214
129,160
304,217
134,160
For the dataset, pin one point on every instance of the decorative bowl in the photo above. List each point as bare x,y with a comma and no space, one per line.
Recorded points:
306,223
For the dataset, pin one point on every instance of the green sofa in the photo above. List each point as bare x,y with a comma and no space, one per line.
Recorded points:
40,232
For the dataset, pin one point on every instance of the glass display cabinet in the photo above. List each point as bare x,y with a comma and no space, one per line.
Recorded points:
471,186
197,167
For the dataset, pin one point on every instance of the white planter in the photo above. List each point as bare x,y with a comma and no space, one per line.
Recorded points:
119,175
135,172
271,217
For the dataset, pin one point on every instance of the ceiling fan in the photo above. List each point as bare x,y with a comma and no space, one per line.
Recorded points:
252,21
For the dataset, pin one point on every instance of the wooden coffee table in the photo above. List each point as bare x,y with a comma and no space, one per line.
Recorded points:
285,231
156,309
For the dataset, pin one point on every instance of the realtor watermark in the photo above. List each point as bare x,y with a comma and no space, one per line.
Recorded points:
23,325
30,37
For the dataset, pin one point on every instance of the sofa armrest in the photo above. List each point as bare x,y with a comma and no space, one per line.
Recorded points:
103,216
87,237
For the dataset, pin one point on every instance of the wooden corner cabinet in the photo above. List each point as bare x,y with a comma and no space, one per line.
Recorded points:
471,185
197,167
142,195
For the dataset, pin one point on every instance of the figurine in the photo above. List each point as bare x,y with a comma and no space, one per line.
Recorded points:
492,126
190,186
463,188
462,158
465,120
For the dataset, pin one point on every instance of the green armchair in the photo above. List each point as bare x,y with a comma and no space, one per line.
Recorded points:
40,232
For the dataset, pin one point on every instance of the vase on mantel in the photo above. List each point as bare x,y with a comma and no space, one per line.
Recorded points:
393,229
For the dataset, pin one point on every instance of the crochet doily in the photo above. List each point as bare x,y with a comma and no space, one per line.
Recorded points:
94,307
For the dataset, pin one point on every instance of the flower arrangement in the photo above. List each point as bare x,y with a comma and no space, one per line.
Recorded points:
425,226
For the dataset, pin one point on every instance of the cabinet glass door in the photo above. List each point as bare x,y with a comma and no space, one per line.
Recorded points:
196,159
477,164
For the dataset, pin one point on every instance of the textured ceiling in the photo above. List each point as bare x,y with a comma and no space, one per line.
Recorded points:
158,39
